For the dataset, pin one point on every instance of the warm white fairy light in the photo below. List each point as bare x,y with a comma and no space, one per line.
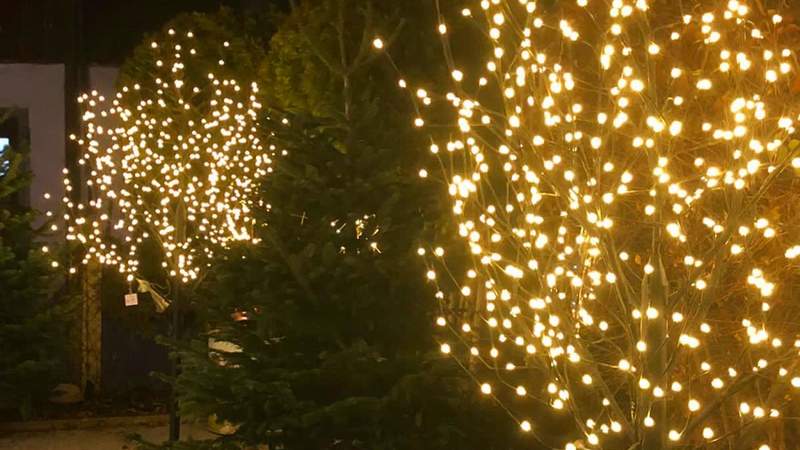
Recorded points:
621,176
175,159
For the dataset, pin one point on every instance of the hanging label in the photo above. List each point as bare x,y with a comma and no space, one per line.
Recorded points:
131,299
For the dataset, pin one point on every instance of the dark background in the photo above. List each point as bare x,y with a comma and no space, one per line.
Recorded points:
99,31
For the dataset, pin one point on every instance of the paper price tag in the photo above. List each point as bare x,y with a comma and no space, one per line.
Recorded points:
131,299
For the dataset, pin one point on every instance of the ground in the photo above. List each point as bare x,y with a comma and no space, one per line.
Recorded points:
104,437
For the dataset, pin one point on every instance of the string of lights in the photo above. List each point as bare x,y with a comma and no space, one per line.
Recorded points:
175,159
623,185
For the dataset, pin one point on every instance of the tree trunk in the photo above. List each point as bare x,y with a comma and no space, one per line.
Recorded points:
175,369
175,329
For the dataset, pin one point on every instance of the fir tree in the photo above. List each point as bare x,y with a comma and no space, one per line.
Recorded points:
33,324
327,329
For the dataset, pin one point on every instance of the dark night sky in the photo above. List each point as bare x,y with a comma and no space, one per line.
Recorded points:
38,30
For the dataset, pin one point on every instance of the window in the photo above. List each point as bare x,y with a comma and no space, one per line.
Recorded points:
13,144
5,144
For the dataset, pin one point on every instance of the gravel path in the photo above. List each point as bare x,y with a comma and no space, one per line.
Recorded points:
102,438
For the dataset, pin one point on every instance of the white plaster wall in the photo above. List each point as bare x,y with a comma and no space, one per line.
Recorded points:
103,79
39,88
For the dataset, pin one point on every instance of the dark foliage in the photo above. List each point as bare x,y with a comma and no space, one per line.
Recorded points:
33,325
323,332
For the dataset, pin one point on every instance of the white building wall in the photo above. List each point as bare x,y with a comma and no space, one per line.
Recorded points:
39,88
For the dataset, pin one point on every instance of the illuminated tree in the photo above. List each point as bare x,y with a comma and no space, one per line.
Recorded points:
174,159
173,163
623,184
